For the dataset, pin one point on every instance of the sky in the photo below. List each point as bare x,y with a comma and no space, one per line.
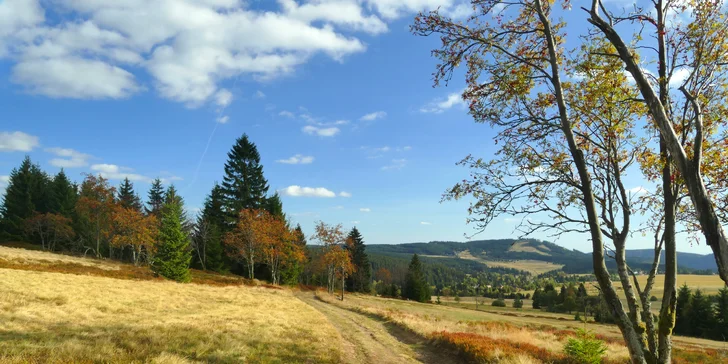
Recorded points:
336,94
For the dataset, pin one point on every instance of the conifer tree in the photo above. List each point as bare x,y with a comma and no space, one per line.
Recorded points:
39,189
700,315
360,280
155,198
682,309
127,198
416,287
173,255
18,202
291,273
208,236
721,315
274,205
64,195
171,196
244,185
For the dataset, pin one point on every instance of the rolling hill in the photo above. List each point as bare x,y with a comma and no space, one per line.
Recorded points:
529,255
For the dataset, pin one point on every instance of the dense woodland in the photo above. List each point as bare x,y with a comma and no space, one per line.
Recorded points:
241,229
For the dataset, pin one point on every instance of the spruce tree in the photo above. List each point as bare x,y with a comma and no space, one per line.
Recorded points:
173,254
40,192
682,310
700,315
721,316
208,236
360,280
18,202
127,198
155,198
244,185
274,206
291,273
64,195
536,299
171,196
416,287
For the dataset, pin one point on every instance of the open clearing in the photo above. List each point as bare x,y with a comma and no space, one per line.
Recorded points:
52,317
525,247
528,265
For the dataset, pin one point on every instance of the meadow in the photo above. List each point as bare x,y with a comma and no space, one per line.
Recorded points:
49,317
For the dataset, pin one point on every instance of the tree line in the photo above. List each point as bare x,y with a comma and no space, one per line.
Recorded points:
241,228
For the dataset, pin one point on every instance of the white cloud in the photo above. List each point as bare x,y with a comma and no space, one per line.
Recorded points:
439,106
365,209
323,132
392,9
356,222
344,194
298,191
425,223
396,164
373,116
188,47
404,149
338,207
223,98
464,10
297,159
112,171
259,94
223,119
287,114
382,149
639,190
75,78
679,76
69,158
17,141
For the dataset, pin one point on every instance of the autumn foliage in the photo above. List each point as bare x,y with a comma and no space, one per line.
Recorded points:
134,230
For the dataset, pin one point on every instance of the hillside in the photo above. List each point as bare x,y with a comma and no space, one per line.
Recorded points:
529,255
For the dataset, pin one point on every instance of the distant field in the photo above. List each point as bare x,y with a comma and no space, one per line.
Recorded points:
533,266
524,247
708,284
50,317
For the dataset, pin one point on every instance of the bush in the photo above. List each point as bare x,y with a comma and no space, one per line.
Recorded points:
499,303
653,299
577,317
518,302
585,348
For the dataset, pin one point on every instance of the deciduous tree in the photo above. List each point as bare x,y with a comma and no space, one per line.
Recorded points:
95,209
50,229
133,230
329,237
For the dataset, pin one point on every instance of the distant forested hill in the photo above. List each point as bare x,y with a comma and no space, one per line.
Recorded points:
510,255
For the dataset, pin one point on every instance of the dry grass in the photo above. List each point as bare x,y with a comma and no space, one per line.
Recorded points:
36,257
533,266
708,284
476,332
64,318
523,246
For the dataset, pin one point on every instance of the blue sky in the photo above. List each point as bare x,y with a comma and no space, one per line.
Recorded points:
337,95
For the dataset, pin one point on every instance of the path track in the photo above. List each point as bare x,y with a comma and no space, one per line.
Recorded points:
369,339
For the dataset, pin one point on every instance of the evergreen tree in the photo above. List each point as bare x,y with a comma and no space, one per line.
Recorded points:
274,205
416,287
243,185
171,196
360,280
291,273
208,236
40,192
536,299
155,198
682,309
700,315
582,291
64,195
721,316
127,198
18,202
518,302
173,255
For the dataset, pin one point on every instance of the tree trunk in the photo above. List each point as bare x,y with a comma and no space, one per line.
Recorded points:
669,299
342,284
710,224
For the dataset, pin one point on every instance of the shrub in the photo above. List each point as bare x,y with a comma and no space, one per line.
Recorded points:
518,302
653,299
585,348
499,303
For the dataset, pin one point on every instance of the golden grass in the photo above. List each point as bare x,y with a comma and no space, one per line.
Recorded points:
523,246
433,320
34,257
65,318
533,266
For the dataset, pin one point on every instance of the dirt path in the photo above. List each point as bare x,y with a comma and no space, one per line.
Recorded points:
368,339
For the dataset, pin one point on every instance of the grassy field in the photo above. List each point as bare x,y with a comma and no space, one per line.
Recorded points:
48,317
535,267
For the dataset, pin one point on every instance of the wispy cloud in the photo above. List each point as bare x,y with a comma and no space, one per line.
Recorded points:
395,165
425,223
365,209
69,158
17,141
441,105
322,132
298,191
374,116
344,194
297,159
287,114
